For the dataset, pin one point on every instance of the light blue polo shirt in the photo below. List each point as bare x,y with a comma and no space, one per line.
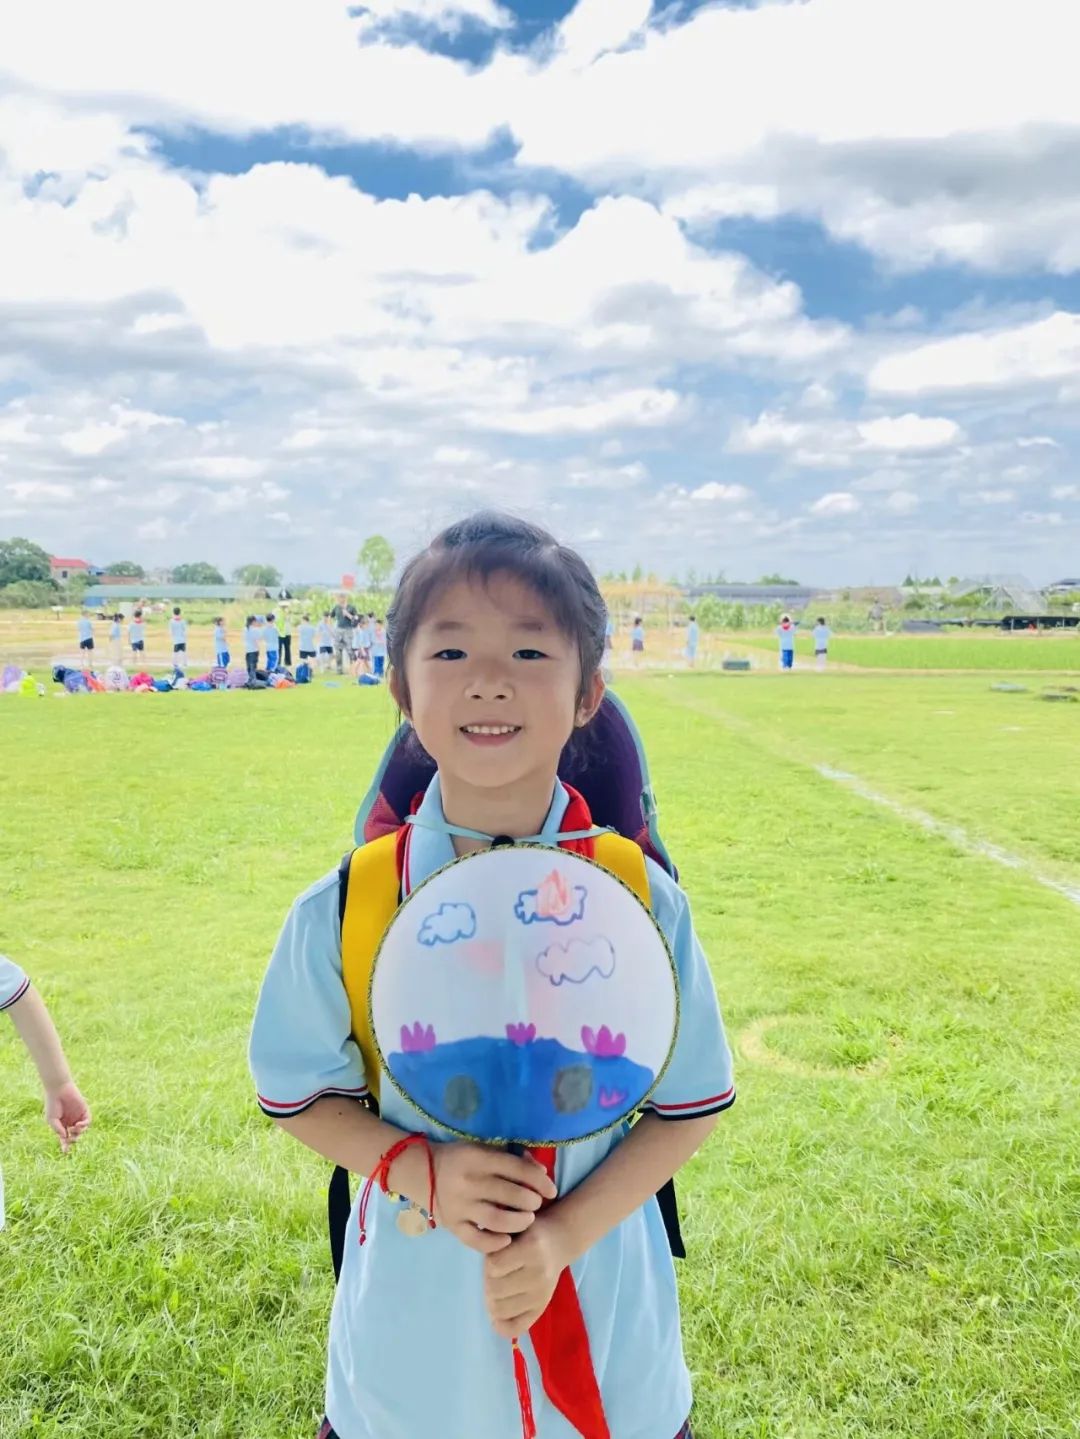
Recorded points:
13,982
178,631
411,1348
307,636
86,629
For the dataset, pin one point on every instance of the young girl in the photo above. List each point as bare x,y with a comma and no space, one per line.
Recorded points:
251,645
66,1111
221,644
325,636
137,638
495,638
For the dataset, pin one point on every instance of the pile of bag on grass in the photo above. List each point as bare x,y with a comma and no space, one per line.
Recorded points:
16,681
116,680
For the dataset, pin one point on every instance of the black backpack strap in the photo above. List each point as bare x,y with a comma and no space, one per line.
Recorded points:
338,1209
669,1212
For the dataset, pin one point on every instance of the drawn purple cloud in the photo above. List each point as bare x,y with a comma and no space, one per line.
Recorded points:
577,960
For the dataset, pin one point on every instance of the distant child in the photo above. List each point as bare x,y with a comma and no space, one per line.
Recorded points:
324,633
378,650
284,625
822,634
272,639
609,635
221,644
307,642
251,646
66,1111
692,634
637,637
116,641
785,633
178,631
137,638
495,623
86,636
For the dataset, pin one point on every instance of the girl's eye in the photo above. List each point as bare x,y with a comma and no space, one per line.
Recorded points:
450,655
529,655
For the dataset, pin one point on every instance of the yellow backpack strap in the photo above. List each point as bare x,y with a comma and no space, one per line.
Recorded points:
626,860
371,900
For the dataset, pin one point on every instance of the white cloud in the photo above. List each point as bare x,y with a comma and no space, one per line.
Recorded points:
839,502
995,497
595,27
440,14
826,443
902,502
1038,353
40,491
716,491
1042,518
1065,492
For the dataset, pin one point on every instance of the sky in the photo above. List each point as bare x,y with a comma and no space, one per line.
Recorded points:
734,288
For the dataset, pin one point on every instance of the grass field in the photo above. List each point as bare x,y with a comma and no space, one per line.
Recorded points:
884,1231
973,650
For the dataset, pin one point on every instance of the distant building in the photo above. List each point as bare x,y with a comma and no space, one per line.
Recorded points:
137,590
792,597
1063,587
1001,592
63,570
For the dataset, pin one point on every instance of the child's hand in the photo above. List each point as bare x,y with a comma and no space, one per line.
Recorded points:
520,1280
483,1195
67,1112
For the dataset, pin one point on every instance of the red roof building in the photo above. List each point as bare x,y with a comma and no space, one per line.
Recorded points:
63,569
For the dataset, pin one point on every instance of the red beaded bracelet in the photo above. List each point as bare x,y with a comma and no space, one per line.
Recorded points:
380,1175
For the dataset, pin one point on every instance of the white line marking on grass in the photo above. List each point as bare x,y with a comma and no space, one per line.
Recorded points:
951,832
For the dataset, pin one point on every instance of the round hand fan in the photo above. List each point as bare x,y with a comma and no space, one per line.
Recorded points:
524,996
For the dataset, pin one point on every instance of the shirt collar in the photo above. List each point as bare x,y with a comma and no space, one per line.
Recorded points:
429,849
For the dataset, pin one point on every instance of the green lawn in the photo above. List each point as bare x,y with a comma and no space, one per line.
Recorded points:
973,650
883,1232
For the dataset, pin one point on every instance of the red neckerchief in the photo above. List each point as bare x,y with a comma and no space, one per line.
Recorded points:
560,1338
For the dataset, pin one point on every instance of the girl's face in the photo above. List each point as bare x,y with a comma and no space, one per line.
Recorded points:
489,657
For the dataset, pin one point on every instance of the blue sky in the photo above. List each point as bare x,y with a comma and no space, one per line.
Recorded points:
280,280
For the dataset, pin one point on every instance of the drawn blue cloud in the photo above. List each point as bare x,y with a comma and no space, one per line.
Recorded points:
577,960
450,922
525,908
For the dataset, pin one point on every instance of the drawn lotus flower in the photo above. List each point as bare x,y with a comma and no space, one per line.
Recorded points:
612,1098
604,1045
521,1034
554,897
417,1040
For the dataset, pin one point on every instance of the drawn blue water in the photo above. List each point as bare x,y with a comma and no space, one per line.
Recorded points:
535,1093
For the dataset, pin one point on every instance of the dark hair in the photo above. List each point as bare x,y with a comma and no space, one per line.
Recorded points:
176,609
137,615
270,619
250,620
489,544
693,617
821,619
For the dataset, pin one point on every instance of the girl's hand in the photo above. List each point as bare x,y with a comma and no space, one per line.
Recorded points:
520,1280
483,1195
66,1112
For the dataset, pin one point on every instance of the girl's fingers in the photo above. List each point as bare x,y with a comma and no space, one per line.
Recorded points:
502,1221
482,1241
511,1196
522,1170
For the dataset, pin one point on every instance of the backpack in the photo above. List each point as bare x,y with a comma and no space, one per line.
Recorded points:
303,673
606,764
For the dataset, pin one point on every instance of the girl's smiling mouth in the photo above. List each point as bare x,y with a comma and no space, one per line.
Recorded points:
490,734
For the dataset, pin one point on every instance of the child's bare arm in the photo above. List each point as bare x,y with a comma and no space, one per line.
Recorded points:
482,1195
66,1111
651,1154
520,1280
38,1033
